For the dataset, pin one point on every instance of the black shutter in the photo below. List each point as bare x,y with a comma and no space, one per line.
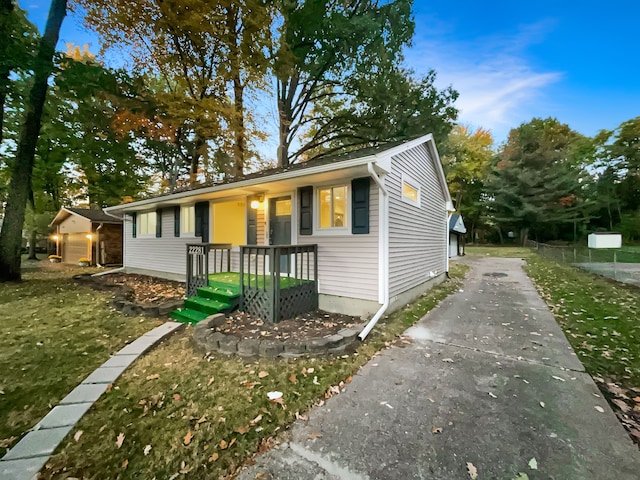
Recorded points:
134,224
252,223
306,210
202,221
176,221
360,205
159,223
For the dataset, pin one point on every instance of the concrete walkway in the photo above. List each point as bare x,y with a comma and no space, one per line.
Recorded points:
28,456
487,379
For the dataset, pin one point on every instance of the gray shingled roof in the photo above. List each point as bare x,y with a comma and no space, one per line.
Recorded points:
97,216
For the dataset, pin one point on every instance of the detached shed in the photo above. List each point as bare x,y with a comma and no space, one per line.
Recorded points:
88,233
457,231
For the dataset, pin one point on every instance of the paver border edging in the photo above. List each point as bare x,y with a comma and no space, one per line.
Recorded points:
207,339
26,458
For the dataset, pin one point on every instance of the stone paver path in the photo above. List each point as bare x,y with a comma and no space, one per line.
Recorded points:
487,379
28,456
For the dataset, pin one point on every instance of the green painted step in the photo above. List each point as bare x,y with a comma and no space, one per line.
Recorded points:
228,289
220,294
187,315
206,305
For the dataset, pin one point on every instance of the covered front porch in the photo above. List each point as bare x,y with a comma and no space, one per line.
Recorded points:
274,282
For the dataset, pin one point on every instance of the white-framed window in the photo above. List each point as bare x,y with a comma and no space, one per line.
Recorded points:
187,220
333,207
410,191
147,223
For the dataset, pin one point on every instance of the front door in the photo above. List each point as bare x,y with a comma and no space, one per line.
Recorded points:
280,226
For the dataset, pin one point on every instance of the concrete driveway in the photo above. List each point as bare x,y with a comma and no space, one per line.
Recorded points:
486,379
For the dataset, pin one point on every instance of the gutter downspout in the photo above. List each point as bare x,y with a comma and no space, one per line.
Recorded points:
115,270
446,243
98,245
383,254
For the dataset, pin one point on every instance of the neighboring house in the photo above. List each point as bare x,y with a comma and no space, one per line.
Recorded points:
379,218
457,231
88,233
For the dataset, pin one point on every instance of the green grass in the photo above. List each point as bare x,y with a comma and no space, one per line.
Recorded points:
219,401
53,333
599,317
498,251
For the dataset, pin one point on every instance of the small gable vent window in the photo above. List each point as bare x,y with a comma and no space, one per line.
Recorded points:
147,223
410,191
187,220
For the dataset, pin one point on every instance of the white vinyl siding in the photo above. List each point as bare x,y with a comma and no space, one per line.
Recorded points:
348,264
165,254
418,234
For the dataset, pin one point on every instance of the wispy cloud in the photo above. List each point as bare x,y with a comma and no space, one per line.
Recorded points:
498,86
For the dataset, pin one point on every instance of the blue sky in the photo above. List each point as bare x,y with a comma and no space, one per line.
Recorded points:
578,61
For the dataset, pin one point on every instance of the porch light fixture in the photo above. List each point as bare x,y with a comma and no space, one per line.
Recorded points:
55,238
89,237
255,204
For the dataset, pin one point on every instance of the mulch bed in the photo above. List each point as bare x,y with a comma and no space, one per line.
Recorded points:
145,289
308,325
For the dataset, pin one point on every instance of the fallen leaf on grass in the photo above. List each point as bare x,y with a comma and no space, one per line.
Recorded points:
242,430
293,379
263,374
78,434
119,440
315,380
223,444
153,377
256,420
301,417
274,395
233,440
214,457
176,396
621,405
473,471
146,450
210,381
533,464
7,441
187,438
125,464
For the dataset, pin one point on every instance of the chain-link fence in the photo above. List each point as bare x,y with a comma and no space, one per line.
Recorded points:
621,264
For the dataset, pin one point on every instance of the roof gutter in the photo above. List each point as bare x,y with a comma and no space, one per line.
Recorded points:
383,254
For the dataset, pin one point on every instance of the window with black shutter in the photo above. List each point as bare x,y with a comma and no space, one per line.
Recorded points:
305,194
360,205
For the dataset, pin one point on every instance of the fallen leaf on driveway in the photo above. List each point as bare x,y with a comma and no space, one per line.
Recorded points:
473,471
146,450
533,464
187,438
78,434
119,440
313,436
542,404
600,409
492,395
558,378
448,360
436,430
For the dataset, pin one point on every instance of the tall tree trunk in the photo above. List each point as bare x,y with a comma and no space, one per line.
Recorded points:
239,132
20,184
6,7
286,93
33,237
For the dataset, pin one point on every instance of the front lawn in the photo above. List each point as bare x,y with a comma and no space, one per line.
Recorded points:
600,319
53,333
180,414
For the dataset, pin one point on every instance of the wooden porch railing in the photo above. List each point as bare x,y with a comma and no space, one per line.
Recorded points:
198,266
278,281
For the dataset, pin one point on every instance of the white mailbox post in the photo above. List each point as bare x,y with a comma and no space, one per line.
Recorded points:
606,240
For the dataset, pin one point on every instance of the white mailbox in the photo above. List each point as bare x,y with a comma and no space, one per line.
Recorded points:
605,240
